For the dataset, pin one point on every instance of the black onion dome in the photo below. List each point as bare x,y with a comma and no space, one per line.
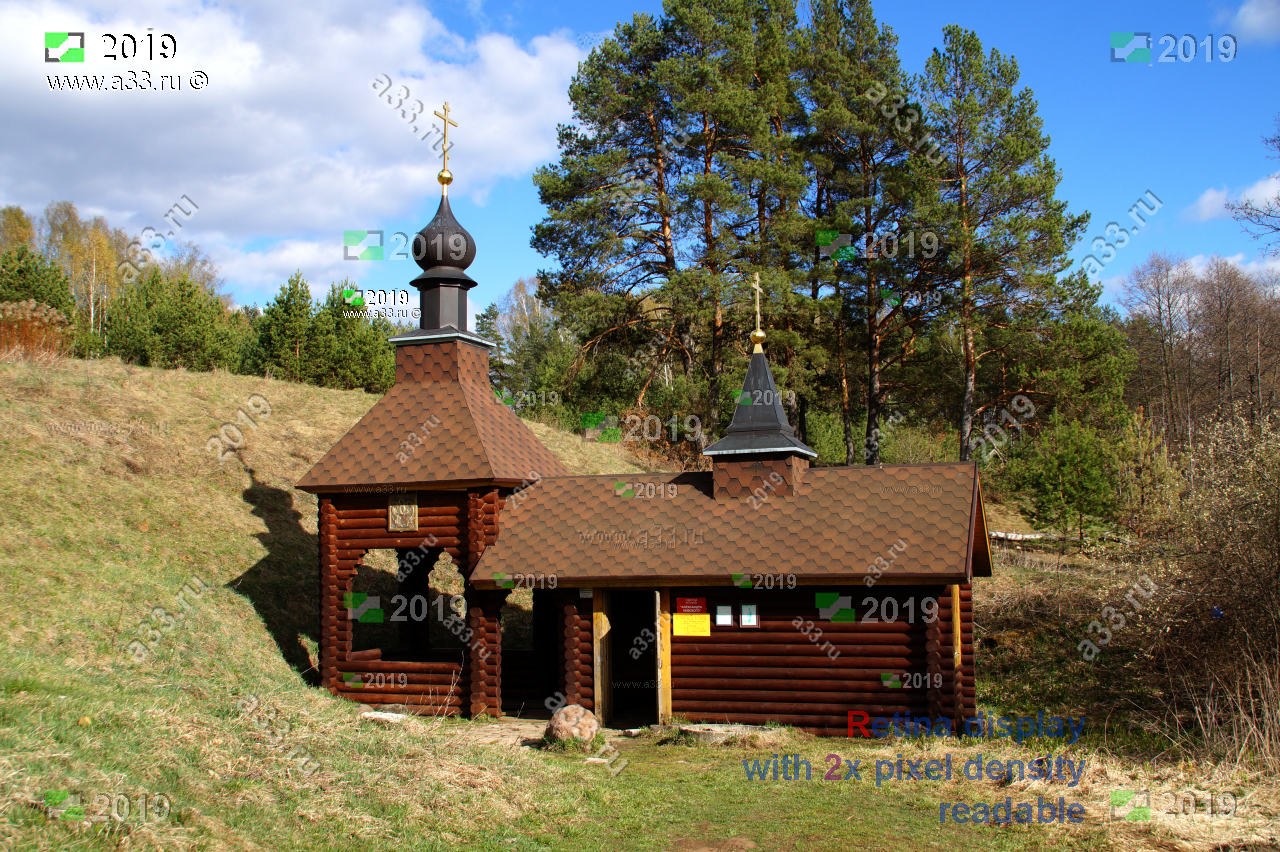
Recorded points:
443,242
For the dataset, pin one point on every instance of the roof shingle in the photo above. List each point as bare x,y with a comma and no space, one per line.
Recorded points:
585,528
439,423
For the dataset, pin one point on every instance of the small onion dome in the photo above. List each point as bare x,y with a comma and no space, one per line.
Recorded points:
443,242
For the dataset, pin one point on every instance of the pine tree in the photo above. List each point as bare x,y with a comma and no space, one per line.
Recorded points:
26,275
680,184
866,185
995,209
161,322
283,332
345,349
487,327
611,217
1069,473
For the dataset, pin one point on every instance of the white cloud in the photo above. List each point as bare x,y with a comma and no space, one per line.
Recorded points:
1210,205
1257,20
1262,266
1112,289
289,144
260,273
1263,191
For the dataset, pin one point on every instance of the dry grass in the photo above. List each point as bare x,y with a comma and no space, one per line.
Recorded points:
1002,518
119,502
1029,618
1239,715
122,502
588,457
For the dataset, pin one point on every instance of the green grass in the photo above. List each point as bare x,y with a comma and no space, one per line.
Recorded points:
105,528
674,797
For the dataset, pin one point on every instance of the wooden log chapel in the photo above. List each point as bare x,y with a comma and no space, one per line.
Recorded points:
763,590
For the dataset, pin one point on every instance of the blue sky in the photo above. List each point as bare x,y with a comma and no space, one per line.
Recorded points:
289,145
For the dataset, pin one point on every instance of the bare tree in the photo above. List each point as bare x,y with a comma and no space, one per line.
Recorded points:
1160,292
1225,300
1262,218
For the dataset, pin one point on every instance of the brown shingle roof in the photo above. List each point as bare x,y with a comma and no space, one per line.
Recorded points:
581,528
477,438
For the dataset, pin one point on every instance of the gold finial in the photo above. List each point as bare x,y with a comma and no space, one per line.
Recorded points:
445,177
757,336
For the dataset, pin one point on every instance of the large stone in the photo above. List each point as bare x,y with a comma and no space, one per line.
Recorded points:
572,722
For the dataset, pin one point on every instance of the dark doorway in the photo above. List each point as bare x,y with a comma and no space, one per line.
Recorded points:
531,655
633,658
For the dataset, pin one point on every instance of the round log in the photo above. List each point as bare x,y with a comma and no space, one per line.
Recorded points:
846,698
410,700
381,512
390,541
685,650
396,666
797,719
443,681
844,678
434,696
780,665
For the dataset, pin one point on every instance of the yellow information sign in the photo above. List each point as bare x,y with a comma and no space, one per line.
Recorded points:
691,624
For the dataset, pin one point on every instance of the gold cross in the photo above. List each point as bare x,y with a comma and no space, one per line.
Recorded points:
444,117
756,287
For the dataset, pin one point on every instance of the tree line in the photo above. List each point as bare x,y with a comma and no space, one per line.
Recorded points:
714,144
910,247
912,252
173,314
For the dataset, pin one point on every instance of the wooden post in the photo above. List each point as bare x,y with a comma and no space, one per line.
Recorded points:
601,670
955,625
957,657
664,656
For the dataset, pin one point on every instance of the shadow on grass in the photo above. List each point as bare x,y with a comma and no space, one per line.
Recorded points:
283,586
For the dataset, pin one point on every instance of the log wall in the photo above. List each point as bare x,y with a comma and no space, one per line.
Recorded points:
578,672
751,675
463,524
777,673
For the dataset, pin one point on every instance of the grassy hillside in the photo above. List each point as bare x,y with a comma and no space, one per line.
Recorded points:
114,501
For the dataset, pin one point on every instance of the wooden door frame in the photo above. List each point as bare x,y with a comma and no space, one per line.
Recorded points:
664,656
601,644
602,648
